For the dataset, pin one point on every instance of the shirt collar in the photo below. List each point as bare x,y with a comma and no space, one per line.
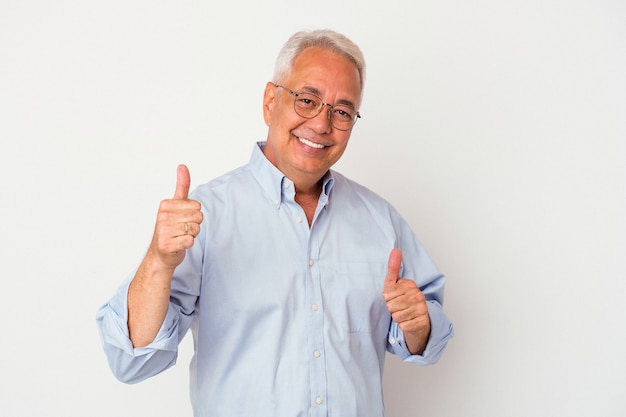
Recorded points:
272,180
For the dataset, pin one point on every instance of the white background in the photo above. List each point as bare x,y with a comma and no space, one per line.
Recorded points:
497,128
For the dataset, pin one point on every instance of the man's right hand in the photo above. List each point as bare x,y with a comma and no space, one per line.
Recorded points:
177,225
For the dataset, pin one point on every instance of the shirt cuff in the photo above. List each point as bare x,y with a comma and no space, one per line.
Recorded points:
112,320
441,330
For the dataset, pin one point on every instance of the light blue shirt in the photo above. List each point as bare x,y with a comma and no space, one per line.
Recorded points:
288,321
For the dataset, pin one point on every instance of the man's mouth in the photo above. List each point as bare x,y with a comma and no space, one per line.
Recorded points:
307,142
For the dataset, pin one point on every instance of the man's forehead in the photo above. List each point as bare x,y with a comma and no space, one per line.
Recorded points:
315,56
316,70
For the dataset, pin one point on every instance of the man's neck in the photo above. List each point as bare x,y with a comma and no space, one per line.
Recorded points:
307,198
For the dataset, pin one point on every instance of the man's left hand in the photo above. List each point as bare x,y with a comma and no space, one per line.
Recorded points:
407,305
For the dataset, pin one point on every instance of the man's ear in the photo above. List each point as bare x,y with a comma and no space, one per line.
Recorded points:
269,100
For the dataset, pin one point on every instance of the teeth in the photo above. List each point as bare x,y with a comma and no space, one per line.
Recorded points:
311,144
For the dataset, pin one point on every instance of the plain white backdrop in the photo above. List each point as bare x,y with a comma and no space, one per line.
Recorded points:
497,128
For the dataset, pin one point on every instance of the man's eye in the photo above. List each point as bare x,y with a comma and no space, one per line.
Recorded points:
307,102
343,114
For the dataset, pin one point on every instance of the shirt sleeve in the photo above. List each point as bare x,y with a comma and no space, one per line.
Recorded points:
130,364
418,266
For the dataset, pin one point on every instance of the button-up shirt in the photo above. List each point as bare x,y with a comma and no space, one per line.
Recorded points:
287,320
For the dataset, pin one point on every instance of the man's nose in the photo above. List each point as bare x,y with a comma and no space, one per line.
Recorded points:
322,123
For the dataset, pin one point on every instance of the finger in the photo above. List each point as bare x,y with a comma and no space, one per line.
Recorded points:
189,228
393,266
407,295
183,181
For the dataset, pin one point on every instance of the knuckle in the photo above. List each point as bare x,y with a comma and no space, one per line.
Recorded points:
417,298
165,204
162,216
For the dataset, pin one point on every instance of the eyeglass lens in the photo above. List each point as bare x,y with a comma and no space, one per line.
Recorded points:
309,106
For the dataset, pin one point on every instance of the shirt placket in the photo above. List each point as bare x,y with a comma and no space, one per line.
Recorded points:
316,314
314,305
318,373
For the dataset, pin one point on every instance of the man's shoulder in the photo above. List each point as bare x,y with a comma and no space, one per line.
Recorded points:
346,192
228,182
351,188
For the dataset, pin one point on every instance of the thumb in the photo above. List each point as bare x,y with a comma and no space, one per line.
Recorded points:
393,266
182,183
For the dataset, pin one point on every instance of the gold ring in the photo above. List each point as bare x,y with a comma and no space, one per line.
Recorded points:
186,228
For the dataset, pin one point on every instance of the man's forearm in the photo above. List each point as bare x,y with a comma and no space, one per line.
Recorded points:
148,302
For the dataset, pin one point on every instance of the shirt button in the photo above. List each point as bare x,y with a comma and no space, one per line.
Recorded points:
314,307
299,219
392,341
311,262
319,400
286,185
317,353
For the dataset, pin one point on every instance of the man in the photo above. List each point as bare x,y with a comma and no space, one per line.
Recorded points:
290,276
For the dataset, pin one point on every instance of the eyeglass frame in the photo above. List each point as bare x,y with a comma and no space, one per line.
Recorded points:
319,110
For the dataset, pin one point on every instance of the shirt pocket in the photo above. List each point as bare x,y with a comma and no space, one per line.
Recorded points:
353,296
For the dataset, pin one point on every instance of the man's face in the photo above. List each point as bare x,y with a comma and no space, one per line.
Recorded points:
305,149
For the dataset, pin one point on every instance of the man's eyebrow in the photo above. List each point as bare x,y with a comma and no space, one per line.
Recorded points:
345,102
313,90
310,90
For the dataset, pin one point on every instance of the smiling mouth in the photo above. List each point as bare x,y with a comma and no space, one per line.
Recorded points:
307,142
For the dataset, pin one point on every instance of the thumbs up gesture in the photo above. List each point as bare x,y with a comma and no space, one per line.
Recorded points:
178,223
407,305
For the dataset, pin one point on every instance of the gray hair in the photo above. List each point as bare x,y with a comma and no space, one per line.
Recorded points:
325,39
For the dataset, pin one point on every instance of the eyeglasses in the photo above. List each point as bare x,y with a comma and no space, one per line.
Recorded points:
307,105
